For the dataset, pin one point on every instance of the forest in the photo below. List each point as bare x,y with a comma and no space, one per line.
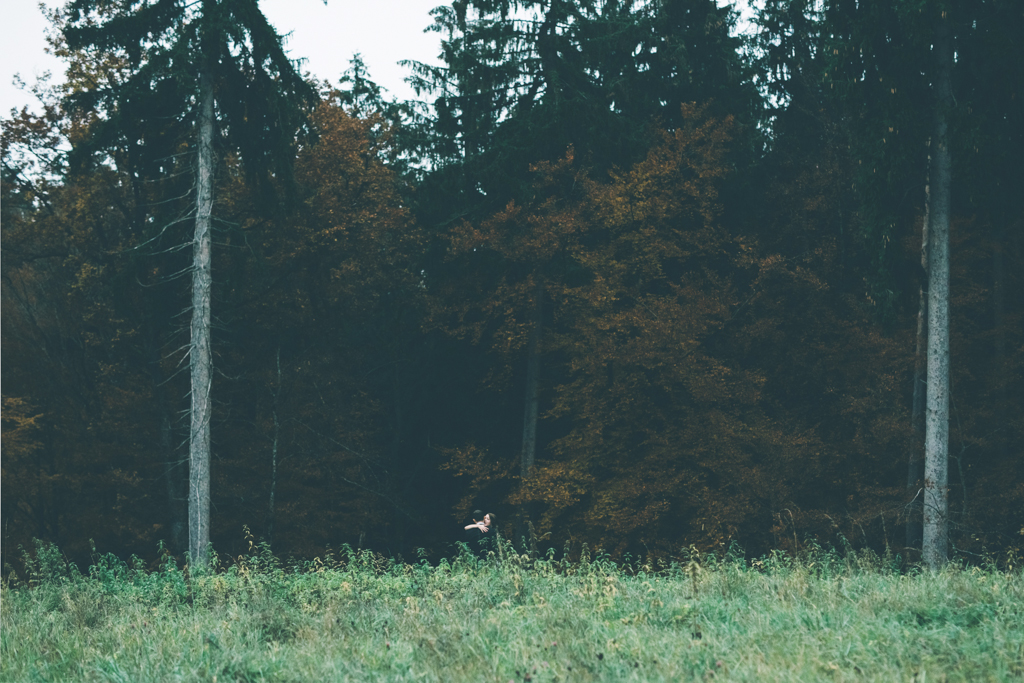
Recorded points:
631,274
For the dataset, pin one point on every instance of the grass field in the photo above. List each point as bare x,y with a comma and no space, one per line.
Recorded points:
358,617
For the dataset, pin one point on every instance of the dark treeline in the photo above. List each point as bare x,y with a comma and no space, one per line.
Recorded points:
635,279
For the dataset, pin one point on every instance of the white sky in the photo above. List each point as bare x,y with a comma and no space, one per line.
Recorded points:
383,31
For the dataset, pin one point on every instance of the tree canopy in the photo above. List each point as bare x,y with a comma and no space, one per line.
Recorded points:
632,275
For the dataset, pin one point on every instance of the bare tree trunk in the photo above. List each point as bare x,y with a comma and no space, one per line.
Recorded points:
915,463
936,495
200,359
273,454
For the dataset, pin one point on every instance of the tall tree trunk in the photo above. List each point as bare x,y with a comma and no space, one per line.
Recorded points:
915,463
936,496
200,359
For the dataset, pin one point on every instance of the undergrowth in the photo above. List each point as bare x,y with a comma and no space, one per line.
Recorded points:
356,616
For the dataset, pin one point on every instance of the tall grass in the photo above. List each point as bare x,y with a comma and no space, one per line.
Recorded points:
360,617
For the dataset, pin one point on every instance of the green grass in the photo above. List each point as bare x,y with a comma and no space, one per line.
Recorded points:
825,617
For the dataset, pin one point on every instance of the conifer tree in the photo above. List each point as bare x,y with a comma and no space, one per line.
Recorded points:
523,83
195,70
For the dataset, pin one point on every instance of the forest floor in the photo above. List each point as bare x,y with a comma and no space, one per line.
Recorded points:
824,617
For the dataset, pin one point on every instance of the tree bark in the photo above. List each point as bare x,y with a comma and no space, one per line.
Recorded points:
200,359
915,463
936,495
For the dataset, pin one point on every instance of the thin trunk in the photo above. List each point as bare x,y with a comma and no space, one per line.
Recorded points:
396,388
999,360
273,454
532,373
174,471
998,296
936,495
524,526
396,445
200,360
175,484
915,463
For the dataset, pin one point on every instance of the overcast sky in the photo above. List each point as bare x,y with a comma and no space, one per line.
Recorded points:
326,35
383,31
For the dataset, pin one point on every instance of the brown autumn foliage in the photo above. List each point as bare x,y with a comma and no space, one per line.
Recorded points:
316,348
75,338
704,388
313,342
647,400
702,380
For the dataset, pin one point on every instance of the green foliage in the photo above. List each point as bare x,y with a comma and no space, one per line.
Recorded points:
357,616
148,109
47,565
523,81
712,365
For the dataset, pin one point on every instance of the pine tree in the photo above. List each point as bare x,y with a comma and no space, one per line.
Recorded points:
189,62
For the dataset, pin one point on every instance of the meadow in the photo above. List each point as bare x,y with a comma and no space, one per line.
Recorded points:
825,616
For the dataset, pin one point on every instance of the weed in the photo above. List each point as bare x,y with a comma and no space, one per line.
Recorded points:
825,615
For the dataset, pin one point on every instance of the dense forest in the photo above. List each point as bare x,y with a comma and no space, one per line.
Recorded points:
630,274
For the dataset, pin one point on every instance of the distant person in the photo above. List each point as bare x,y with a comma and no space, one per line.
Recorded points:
475,530
484,533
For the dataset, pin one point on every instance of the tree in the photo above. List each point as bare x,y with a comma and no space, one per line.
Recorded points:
184,61
329,294
636,278
523,83
75,339
615,340
653,409
936,477
535,243
869,71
